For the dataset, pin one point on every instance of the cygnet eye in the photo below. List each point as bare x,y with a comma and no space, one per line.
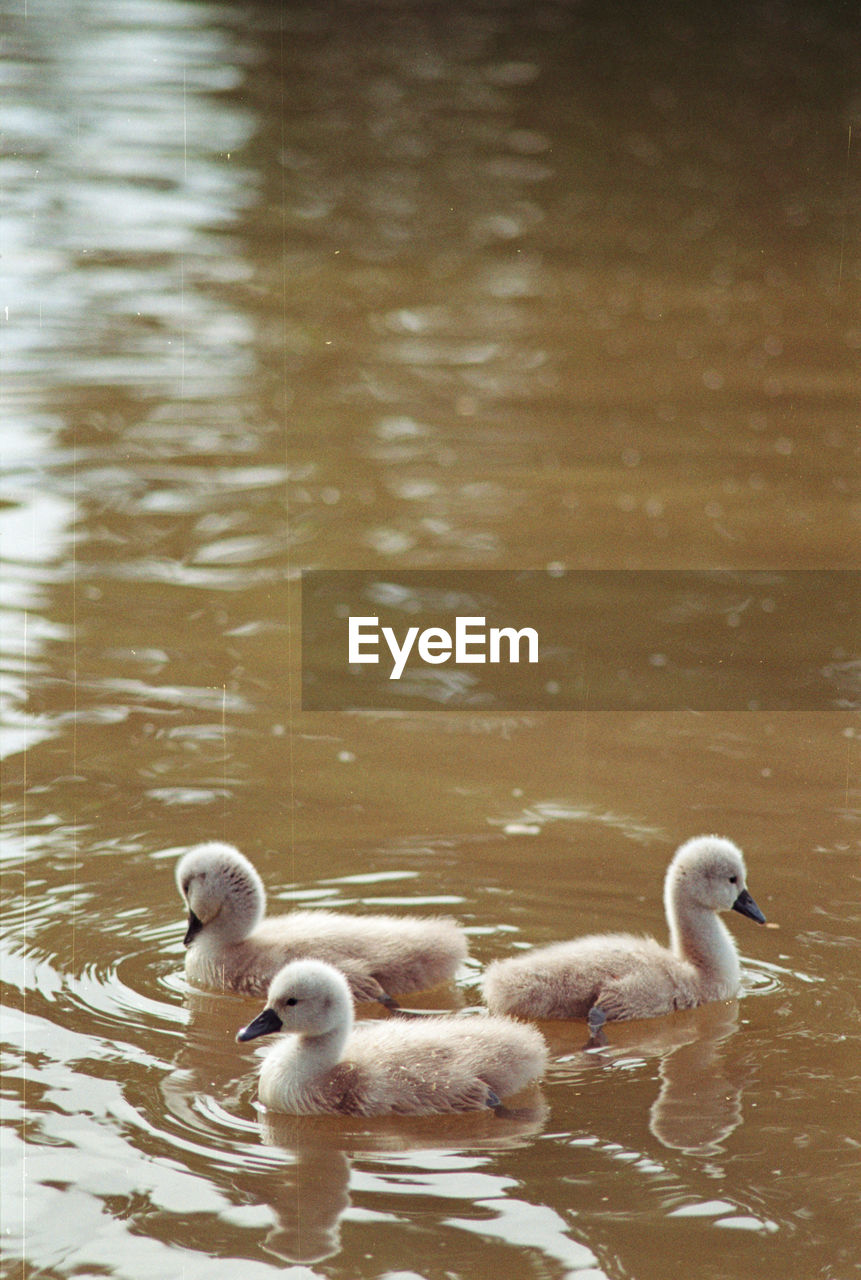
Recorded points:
291,1000
733,879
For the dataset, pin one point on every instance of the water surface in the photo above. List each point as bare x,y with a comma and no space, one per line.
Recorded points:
395,287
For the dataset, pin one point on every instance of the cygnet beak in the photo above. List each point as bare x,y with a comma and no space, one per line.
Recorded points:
263,1025
746,905
194,928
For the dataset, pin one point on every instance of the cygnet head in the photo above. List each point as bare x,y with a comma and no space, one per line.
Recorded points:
308,997
708,873
222,889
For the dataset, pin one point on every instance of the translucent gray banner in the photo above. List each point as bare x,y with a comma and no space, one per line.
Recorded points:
603,640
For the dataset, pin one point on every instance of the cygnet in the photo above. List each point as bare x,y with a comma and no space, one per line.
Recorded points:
618,975
431,1065
232,947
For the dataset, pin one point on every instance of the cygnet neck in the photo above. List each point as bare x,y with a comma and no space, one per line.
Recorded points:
242,907
699,936
242,912
326,1046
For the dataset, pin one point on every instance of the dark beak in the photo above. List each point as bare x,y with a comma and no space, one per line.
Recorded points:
263,1025
746,905
194,928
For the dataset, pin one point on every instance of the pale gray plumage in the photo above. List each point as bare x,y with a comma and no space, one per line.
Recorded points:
616,975
232,947
421,1067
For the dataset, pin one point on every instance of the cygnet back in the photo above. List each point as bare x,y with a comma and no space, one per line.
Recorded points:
231,946
417,1067
615,976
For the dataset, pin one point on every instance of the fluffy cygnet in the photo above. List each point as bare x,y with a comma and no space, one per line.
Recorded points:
231,946
434,1064
613,976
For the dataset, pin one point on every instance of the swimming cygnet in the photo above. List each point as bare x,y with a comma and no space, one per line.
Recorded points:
434,1064
232,947
614,976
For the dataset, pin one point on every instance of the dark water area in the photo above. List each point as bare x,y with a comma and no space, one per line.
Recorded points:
395,287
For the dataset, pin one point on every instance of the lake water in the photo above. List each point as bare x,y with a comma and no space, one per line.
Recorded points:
394,287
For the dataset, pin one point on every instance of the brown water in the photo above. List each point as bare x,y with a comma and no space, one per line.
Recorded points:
417,286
